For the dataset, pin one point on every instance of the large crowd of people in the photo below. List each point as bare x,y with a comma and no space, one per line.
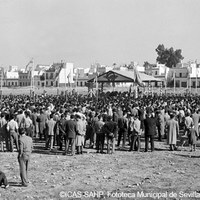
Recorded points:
116,120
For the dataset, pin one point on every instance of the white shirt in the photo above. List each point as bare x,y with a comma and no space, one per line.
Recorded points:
12,125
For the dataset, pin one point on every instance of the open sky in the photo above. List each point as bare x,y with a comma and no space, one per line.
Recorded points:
104,31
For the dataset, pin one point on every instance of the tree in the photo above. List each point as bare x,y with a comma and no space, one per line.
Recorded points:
169,57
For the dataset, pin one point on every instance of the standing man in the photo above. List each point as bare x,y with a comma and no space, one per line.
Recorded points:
12,128
50,124
3,132
62,132
122,129
196,120
71,131
100,134
34,118
110,129
20,116
42,119
28,123
173,131
135,126
160,125
150,130
81,129
25,149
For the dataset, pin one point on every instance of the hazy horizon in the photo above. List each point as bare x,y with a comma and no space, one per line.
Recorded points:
104,31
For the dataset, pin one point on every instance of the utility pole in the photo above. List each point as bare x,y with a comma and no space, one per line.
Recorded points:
1,92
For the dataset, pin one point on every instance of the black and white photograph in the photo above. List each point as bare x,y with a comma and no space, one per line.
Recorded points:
99,99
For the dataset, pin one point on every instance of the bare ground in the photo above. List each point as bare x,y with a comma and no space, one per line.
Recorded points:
54,176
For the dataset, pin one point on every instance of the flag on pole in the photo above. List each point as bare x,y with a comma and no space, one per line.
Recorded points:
138,79
96,83
149,88
57,72
161,89
174,78
30,68
166,74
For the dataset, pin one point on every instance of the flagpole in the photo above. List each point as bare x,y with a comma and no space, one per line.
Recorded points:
66,81
187,79
57,81
33,77
69,79
196,78
44,79
1,84
190,85
97,90
174,81
76,79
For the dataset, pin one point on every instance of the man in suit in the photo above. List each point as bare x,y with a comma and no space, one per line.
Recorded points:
50,124
42,119
62,132
100,134
150,129
25,149
110,129
122,129
34,120
160,125
71,131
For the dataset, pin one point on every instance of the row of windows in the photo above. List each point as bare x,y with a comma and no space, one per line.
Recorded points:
47,84
24,83
184,84
12,83
23,77
81,83
180,74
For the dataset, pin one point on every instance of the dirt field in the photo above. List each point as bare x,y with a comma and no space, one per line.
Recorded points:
161,174
55,176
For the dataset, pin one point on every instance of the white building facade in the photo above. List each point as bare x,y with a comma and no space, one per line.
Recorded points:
186,75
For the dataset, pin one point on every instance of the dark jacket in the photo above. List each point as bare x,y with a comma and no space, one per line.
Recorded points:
62,127
150,126
110,129
71,129
123,123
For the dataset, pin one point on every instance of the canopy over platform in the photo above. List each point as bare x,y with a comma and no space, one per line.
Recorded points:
125,77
